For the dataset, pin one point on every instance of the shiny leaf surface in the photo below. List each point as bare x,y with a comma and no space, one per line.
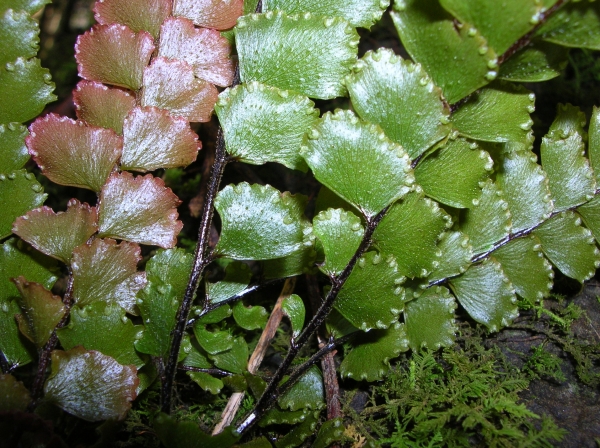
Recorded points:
19,193
486,293
102,106
357,161
308,67
465,165
259,222
114,54
153,138
399,96
139,209
340,233
171,85
264,124
107,271
90,385
370,360
372,296
45,230
204,49
409,231
70,153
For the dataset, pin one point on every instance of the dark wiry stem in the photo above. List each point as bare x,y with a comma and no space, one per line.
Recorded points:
202,258
518,45
303,368
270,395
330,381
218,372
4,363
507,239
526,39
38,382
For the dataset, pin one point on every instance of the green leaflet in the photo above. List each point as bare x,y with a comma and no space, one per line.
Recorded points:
429,319
576,24
30,6
213,341
214,316
594,142
197,357
590,212
372,296
158,306
301,262
562,159
207,382
19,193
370,360
41,311
569,246
525,188
486,293
13,152
26,87
250,318
340,232
18,258
306,393
497,113
278,417
357,161
300,433
14,345
171,266
489,220
265,124
330,431
310,66
103,327
409,231
458,59
399,96
362,13
455,253
539,61
19,36
233,360
237,278
293,308
464,165
526,267
502,23
15,396
260,223
90,385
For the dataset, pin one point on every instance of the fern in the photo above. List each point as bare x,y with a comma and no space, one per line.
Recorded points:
431,199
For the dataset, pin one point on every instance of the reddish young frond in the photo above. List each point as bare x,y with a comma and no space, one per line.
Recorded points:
139,15
204,49
106,271
154,139
57,234
139,209
171,85
217,14
102,106
70,153
114,54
